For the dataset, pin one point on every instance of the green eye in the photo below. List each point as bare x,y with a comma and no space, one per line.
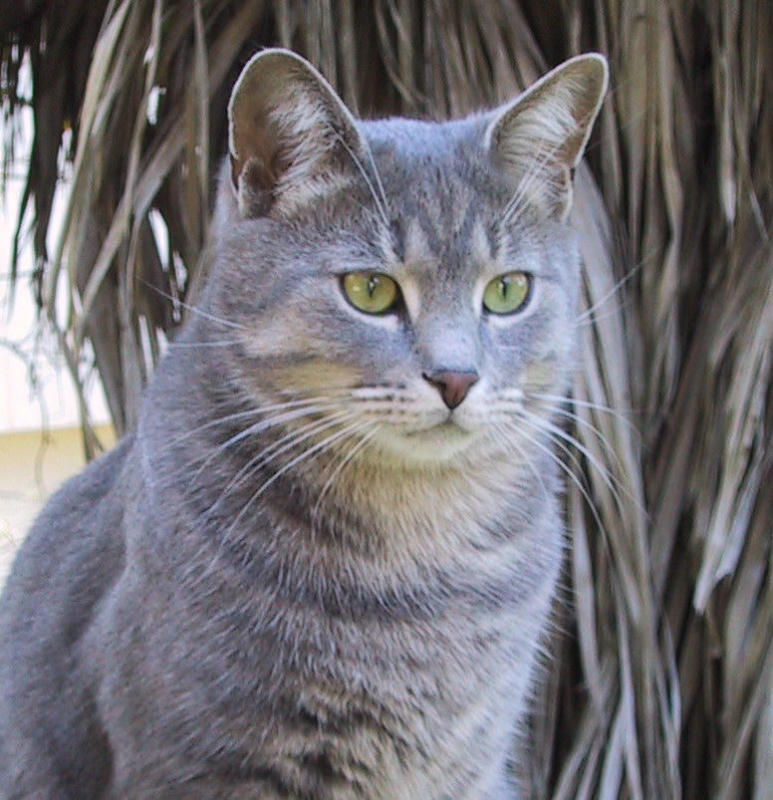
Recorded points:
370,292
507,293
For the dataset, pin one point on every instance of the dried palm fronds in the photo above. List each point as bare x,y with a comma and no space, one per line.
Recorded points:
662,684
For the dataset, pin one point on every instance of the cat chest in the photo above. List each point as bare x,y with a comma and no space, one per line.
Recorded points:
332,705
376,712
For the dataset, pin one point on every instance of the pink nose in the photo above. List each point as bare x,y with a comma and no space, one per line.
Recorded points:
453,386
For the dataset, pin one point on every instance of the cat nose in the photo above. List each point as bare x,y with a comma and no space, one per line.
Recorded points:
453,386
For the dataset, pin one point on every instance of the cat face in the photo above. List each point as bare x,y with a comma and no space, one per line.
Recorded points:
414,282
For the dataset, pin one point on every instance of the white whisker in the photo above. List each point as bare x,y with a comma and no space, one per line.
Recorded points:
182,345
252,412
382,209
282,445
347,459
252,430
557,434
195,309
258,410
594,319
616,288
615,412
379,182
583,424
516,204
325,443
506,429
563,467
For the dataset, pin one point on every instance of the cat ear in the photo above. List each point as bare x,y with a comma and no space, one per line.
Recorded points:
540,136
291,138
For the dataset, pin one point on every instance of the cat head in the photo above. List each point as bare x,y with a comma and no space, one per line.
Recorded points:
416,283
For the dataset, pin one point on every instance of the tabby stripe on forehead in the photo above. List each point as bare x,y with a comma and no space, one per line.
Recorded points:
434,234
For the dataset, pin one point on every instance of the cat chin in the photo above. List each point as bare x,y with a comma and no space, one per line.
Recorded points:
436,445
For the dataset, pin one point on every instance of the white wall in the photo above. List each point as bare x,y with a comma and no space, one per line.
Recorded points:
39,434
32,465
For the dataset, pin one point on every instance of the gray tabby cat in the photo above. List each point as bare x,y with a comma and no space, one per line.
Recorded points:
323,565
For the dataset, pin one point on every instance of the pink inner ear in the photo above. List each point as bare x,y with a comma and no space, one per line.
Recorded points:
557,113
253,184
252,142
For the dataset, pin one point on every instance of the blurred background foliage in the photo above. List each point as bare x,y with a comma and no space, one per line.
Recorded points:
659,685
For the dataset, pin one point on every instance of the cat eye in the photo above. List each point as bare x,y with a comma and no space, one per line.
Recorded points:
507,293
371,292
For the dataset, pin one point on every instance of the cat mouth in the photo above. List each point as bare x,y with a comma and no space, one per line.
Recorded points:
447,427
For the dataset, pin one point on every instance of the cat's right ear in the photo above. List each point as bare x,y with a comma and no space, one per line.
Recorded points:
291,139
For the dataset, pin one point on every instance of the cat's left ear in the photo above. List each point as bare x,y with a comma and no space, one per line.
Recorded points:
291,139
538,138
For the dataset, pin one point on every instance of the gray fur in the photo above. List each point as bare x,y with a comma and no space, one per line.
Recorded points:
303,576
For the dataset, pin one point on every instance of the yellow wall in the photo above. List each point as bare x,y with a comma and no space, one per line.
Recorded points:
31,467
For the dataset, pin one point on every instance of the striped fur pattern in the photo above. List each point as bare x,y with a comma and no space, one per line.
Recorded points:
304,575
